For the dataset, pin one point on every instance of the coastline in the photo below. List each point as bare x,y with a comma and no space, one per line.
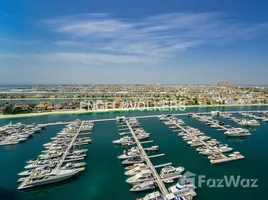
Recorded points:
122,110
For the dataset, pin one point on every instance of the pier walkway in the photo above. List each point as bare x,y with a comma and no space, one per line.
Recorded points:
69,147
213,123
159,181
223,158
148,116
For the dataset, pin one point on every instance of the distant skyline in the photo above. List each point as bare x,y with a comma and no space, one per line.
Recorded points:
133,42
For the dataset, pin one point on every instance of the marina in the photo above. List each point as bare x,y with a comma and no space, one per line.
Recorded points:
133,100
161,161
12,134
211,147
160,180
48,167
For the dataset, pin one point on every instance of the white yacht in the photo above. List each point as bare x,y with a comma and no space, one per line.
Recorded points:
133,160
180,122
143,176
152,148
73,165
237,132
182,186
30,171
252,123
134,166
58,176
149,185
195,143
235,154
157,196
204,138
124,140
130,154
136,170
203,148
153,196
170,171
264,119
8,142
47,163
143,136
188,137
221,149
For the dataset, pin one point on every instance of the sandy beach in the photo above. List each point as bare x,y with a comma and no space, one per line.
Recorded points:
122,110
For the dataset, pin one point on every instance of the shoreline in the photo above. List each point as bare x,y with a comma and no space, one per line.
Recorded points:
122,110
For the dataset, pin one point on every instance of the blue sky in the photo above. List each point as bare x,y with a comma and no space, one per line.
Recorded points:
119,41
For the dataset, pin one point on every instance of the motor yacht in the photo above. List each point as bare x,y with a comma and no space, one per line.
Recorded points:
136,170
235,154
157,196
195,143
215,156
152,148
149,185
143,136
45,163
170,171
184,185
203,138
134,166
8,142
131,154
76,156
187,137
212,142
143,176
73,165
221,149
237,132
251,123
133,160
203,148
56,176
152,196
29,172
124,140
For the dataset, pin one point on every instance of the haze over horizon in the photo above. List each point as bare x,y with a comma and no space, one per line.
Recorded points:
133,42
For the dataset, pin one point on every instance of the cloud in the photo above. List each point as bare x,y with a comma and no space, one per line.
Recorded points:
73,58
10,56
100,38
68,43
160,35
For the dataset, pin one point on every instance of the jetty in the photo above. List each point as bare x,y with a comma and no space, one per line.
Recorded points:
222,158
147,116
146,158
216,125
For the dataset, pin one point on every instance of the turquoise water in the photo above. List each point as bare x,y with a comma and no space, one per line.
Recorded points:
104,175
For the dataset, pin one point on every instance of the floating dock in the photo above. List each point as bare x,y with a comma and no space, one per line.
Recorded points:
227,159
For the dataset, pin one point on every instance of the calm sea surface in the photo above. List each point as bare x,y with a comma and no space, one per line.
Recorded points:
104,175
